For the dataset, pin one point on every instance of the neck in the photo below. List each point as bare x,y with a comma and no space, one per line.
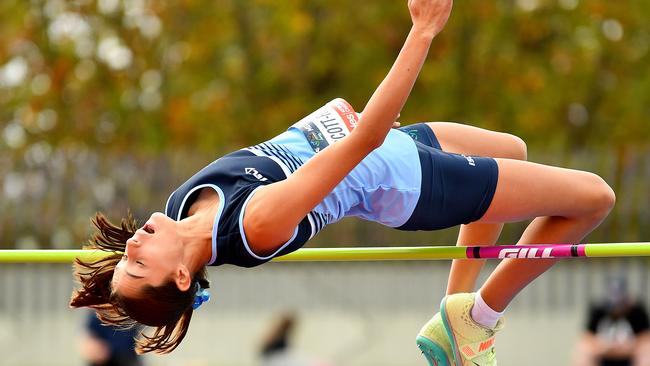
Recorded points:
196,233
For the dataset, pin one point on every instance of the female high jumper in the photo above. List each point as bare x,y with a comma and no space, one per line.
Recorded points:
267,200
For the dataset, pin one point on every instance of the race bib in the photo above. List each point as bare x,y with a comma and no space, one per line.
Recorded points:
328,124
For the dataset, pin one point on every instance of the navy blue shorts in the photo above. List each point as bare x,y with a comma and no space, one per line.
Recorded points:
456,189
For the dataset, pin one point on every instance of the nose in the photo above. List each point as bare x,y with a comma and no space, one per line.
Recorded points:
132,247
134,243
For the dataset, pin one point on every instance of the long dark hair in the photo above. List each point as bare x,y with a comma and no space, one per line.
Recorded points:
165,308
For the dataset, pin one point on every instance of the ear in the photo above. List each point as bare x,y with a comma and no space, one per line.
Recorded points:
182,278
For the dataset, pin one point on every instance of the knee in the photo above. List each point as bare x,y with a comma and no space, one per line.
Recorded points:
602,197
516,148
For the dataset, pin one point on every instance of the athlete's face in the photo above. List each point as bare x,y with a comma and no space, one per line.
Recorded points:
153,256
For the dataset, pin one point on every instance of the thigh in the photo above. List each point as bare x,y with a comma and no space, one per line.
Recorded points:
526,190
469,140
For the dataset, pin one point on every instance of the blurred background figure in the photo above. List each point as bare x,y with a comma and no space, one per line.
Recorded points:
617,330
108,346
276,349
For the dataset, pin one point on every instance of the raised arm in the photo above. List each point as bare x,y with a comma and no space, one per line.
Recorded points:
275,210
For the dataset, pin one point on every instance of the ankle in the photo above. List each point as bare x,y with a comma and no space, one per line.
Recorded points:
483,314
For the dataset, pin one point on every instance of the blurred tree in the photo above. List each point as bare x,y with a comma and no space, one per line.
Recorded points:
109,104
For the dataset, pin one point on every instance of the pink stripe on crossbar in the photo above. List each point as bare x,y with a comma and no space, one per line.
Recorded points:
528,251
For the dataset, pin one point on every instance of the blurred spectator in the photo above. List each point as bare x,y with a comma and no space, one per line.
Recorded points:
107,346
617,330
275,347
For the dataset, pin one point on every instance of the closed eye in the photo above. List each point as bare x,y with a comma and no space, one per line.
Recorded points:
132,275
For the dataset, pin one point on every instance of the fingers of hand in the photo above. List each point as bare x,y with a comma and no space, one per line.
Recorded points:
430,13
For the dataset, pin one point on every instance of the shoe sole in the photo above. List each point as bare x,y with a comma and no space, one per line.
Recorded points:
450,334
433,353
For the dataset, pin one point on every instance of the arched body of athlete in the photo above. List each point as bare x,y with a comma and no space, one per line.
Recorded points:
267,200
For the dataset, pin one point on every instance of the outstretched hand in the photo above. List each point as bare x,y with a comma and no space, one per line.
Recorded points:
430,15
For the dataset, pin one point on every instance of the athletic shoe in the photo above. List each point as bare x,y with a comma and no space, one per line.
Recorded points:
434,343
472,344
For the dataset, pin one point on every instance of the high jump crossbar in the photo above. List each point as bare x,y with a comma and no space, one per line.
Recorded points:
382,253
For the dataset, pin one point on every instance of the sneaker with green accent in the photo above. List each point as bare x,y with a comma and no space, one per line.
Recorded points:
434,343
471,343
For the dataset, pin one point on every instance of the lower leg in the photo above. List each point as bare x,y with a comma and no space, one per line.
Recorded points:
568,205
464,273
512,275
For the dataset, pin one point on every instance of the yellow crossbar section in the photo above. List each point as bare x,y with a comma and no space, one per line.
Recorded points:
349,254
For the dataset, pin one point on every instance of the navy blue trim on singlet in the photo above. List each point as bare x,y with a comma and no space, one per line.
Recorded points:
288,160
236,177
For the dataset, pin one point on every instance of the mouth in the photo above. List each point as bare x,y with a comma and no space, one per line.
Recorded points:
149,228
